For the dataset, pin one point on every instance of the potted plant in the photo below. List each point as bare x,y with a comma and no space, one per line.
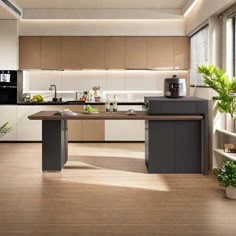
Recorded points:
216,78
226,175
4,129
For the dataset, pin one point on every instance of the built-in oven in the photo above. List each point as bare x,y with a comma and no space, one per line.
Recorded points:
8,87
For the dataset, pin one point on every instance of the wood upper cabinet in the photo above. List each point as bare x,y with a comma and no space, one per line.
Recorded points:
114,52
29,52
51,53
93,53
181,53
160,52
135,52
71,52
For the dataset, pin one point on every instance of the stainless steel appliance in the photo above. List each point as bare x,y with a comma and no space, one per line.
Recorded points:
8,87
175,87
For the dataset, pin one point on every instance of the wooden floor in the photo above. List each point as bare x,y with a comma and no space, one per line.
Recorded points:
105,190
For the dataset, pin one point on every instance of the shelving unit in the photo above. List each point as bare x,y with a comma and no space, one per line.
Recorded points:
231,156
222,137
226,132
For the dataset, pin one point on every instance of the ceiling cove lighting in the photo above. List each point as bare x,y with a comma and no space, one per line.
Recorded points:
190,7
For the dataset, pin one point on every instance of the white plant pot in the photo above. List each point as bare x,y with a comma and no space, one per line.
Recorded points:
229,123
231,192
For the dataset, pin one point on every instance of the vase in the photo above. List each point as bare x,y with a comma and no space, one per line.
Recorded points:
230,123
231,192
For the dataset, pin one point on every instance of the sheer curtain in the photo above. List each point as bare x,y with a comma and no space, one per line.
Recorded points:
199,54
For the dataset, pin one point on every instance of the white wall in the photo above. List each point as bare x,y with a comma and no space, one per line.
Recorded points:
202,11
132,80
162,27
8,45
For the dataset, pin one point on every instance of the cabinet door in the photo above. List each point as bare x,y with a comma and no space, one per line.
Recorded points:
8,114
71,52
75,127
28,130
135,53
94,130
181,53
160,52
93,53
51,52
114,52
115,130
188,147
29,52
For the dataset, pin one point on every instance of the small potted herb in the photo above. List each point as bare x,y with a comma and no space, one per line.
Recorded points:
4,129
226,175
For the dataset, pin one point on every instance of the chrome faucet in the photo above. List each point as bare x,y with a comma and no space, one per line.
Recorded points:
55,94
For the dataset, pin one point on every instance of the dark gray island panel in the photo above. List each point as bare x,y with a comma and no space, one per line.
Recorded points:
161,138
177,146
54,146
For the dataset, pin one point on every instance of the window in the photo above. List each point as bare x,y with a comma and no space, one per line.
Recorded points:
234,46
229,65
199,55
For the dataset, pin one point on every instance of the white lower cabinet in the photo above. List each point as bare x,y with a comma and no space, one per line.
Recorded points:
28,130
125,130
31,130
8,113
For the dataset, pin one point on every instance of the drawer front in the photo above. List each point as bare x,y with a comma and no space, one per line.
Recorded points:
179,107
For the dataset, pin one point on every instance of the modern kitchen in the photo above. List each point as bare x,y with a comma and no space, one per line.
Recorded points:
117,117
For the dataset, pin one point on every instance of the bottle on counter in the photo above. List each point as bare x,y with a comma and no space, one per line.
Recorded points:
115,105
107,104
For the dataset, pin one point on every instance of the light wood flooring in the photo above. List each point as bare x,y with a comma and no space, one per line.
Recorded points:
105,190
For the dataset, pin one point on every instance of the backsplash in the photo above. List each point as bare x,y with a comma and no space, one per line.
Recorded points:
128,85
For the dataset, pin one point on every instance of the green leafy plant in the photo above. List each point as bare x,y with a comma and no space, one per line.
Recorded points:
4,129
217,79
226,175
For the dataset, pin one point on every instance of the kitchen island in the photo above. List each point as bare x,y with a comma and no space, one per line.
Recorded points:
55,129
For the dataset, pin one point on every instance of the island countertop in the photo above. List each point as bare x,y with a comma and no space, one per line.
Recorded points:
120,115
63,103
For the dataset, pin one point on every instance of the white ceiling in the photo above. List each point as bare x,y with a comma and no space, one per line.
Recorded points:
97,9
5,15
101,4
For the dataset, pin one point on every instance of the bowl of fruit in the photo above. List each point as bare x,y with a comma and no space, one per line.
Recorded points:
37,98
90,110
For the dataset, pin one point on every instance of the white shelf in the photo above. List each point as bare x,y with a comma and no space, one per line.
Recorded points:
231,156
223,131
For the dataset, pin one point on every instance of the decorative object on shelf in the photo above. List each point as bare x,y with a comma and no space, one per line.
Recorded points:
230,148
217,79
226,175
4,129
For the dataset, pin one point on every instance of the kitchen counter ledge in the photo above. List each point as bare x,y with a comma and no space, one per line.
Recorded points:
77,103
120,115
